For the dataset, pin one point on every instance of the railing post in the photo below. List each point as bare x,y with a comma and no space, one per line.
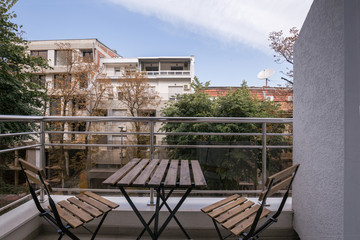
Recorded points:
264,170
42,153
152,201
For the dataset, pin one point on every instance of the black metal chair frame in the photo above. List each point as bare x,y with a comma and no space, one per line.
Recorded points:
254,231
52,216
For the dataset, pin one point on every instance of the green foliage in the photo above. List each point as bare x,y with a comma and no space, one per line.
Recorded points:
224,168
18,95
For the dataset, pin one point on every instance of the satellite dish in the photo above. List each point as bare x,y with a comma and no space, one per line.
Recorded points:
265,74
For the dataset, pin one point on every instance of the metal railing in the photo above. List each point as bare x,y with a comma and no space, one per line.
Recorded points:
153,130
171,73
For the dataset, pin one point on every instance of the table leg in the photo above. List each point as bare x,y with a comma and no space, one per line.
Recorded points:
137,213
175,218
173,212
153,216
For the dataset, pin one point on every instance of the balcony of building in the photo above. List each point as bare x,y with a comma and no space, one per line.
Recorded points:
232,163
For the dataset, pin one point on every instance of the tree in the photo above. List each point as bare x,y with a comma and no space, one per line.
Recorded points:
224,167
284,49
79,90
18,95
137,96
22,97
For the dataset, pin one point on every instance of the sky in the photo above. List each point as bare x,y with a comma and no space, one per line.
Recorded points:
229,38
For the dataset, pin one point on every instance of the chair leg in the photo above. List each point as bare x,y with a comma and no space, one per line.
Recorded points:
98,227
217,230
61,235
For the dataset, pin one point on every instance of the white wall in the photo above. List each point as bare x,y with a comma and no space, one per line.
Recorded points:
326,122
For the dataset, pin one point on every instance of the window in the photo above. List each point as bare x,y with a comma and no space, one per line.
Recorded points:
78,126
147,113
62,81
174,90
119,112
120,96
177,68
83,80
117,71
40,53
80,102
152,68
87,55
38,79
100,112
63,57
55,106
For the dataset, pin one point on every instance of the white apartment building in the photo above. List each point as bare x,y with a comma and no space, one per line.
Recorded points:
167,76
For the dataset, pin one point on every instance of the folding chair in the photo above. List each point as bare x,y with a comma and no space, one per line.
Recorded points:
238,214
75,211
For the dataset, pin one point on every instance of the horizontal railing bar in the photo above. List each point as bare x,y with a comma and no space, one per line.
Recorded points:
165,146
17,134
168,133
97,133
166,119
19,148
146,191
92,145
17,201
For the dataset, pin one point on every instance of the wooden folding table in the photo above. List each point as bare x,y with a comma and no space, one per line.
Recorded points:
160,175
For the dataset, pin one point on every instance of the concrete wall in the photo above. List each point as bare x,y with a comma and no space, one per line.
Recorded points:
326,122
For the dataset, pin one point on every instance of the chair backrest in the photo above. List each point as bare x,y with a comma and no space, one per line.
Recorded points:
34,174
279,181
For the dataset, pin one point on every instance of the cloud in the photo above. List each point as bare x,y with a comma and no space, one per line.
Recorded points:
246,22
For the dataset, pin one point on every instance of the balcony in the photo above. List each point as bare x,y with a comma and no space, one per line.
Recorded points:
168,74
259,153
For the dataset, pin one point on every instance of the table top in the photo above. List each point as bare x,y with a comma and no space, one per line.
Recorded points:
155,173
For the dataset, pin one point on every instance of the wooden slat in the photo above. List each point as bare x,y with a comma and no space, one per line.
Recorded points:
199,178
248,222
282,174
102,207
281,185
86,207
145,174
158,176
220,203
131,175
233,212
101,199
171,177
68,217
185,179
84,216
240,217
32,167
227,207
35,178
114,178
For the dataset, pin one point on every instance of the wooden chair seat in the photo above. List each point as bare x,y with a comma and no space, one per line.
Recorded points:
83,208
234,213
241,216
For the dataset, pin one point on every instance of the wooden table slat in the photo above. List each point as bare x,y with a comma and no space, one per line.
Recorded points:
131,175
86,207
114,178
102,207
84,216
158,176
185,180
145,174
171,177
199,178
